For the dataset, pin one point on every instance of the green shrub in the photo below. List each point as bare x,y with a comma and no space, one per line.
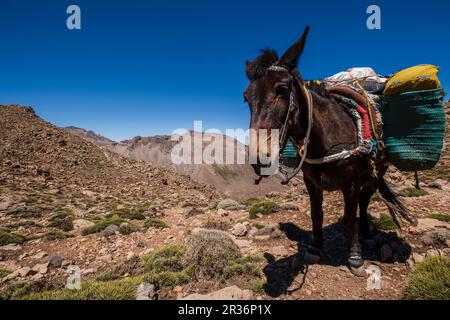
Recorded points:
439,216
209,252
101,225
156,223
7,238
263,207
127,229
124,289
57,235
384,222
166,258
429,280
128,214
133,267
258,287
413,192
169,279
247,265
4,273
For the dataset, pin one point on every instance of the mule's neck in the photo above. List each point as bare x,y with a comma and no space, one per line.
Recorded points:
333,129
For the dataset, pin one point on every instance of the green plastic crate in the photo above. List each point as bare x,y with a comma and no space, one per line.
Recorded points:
414,129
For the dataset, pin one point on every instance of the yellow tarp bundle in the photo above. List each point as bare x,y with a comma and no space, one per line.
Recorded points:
417,78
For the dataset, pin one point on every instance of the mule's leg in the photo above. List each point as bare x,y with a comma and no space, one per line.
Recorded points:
351,197
316,199
366,194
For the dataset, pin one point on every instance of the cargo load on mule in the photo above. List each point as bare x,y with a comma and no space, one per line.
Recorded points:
401,116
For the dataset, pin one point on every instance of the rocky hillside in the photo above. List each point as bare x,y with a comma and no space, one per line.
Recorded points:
233,180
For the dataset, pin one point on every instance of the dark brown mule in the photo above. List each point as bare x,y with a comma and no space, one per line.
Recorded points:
333,130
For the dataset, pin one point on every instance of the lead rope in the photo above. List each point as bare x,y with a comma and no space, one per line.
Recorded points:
309,102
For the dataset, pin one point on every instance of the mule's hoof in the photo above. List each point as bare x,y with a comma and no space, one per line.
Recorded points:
311,258
358,271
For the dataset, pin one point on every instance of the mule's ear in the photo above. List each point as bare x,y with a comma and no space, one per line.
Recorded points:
292,55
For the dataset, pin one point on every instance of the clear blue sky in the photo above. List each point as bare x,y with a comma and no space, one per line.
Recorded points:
149,67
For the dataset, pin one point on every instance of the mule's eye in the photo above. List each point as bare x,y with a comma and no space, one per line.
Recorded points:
281,89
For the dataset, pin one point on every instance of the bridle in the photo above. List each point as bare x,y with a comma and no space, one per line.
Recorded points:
284,129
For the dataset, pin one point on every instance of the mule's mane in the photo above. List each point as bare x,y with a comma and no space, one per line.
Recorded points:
258,67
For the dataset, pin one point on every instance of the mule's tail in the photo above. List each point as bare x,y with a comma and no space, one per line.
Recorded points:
395,206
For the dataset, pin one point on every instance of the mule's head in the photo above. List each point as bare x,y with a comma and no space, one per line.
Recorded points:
272,82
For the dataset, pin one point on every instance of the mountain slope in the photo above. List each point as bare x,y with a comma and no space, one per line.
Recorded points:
233,180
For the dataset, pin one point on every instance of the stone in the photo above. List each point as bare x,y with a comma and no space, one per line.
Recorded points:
25,272
5,203
110,230
146,291
447,243
417,258
279,251
229,293
386,253
240,230
39,255
80,224
230,205
243,244
223,213
427,224
437,237
130,255
41,268
435,185
433,253
11,247
267,233
56,262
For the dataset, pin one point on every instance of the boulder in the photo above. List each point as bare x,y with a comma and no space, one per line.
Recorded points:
110,230
229,293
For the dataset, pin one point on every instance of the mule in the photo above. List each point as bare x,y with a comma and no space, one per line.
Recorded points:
276,86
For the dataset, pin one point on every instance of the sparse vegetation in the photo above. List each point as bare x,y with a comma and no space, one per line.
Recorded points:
246,265
124,289
439,216
384,222
7,238
263,208
128,214
210,252
57,235
128,228
429,280
101,225
258,287
216,224
413,192
132,267
4,273
165,268
156,223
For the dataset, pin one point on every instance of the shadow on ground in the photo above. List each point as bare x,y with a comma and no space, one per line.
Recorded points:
281,274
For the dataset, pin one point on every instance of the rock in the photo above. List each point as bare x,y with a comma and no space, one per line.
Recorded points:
279,251
240,229
146,291
130,255
5,203
266,233
417,258
243,244
437,237
223,213
39,255
433,253
229,293
25,272
89,193
289,207
110,230
80,224
427,224
230,205
447,243
11,247
192,212
56,262
435,185
41,268
386,253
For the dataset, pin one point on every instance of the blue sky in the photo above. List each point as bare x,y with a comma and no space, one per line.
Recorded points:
149,67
